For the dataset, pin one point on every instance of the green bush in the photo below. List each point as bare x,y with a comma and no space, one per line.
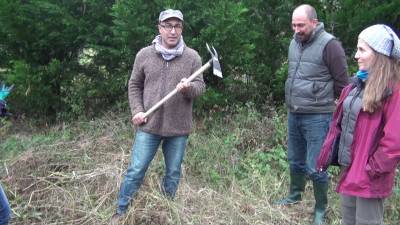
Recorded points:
73,58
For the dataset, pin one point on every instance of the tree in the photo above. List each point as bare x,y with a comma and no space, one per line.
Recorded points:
76,56
43,42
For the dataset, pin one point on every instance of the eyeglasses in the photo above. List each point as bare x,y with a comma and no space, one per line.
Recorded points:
169,27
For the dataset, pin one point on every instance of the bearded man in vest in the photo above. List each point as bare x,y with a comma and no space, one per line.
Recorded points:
316,75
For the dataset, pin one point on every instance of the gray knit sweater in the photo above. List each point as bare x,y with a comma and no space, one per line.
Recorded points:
153,78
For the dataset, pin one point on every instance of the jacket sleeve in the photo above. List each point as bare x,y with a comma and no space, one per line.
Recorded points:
136,85
198,85
387,154
335,59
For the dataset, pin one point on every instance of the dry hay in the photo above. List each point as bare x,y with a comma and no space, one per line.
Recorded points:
48,190
65,183
77,182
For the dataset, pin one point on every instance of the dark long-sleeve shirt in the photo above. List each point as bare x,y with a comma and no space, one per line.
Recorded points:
335,59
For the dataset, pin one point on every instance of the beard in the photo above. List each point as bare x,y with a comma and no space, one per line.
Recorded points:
302,36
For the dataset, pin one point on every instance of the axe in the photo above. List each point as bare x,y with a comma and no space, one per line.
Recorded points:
216,71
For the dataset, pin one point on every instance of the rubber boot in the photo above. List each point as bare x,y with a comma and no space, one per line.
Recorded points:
297,184
321,202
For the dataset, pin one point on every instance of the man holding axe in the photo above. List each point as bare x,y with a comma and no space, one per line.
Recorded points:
166,78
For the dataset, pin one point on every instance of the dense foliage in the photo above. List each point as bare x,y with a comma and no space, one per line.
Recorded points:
69,57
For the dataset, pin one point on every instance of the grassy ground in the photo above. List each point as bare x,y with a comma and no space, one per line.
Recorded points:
235,166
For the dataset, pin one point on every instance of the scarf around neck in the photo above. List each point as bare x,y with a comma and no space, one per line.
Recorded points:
362,74
169,54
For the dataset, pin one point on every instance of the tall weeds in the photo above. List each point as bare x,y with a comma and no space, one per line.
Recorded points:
235,166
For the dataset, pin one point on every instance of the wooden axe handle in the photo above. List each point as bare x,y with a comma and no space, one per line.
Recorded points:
172,93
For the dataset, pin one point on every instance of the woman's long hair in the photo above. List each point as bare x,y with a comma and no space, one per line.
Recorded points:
383,74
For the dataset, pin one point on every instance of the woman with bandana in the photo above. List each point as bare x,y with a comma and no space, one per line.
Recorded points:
364,129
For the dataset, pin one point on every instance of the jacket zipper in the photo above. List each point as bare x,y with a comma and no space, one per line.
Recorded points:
358,91
164,78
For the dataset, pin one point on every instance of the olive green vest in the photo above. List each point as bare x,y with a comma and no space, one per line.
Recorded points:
309,87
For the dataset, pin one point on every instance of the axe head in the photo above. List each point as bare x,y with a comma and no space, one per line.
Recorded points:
215,62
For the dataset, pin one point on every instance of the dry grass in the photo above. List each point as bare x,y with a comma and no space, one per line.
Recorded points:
74,178
44,187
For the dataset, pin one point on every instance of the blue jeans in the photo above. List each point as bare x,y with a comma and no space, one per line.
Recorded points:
143,152
306,134
4,208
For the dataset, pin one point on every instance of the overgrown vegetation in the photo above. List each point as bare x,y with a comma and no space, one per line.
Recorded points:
70,60
235,166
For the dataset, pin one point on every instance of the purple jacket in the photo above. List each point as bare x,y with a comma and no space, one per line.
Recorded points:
375,150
